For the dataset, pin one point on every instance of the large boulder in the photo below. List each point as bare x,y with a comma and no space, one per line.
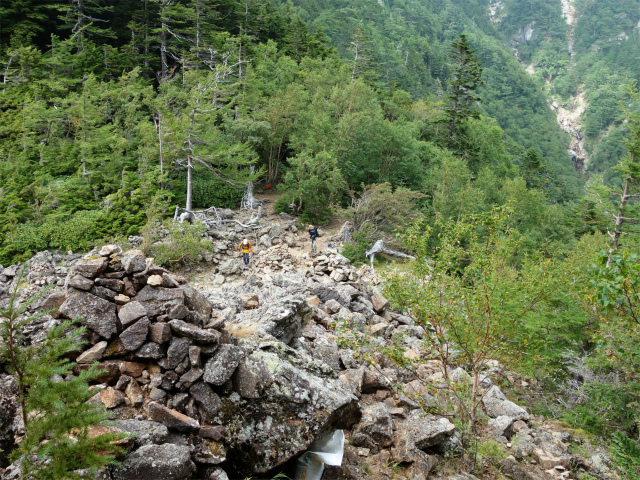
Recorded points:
152,462
496,405
97,314
157,299
289,407
282,320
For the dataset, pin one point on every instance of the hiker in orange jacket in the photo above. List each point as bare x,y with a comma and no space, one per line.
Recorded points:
245,248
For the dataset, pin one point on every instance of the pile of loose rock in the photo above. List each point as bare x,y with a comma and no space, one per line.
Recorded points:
240,378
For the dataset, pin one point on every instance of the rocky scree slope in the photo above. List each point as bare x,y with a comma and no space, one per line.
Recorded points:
240,379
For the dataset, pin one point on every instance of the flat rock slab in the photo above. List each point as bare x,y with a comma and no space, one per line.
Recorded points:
154,462
131,312
92,268
184,329
134,336
94,354
290,408
97,314
156,299
220,368
172,419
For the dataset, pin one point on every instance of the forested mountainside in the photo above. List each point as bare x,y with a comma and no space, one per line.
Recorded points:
431,125
105,105
584,53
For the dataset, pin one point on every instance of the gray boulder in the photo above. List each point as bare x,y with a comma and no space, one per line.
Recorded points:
282,320
145,432
97,314
134,336
152,462
185,329
496,405
375,429
220,368
133,261
289,407
156,300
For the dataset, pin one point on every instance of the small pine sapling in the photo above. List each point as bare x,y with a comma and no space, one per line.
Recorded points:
58,442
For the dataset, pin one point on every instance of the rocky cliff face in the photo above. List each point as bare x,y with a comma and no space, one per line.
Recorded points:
238,379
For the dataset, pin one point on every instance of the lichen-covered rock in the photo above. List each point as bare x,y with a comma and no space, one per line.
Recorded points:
134,336
92,267
152,462
201,335
133,261
8,409
131,312
375,429
220,368
157,299
282,320
295,406
206,398
196,301
97,314
81,283
496,404
419,431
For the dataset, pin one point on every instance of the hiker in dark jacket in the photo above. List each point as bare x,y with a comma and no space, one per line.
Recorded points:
313,236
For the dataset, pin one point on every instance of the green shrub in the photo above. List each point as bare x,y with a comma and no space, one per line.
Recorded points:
625,453
184,244
355,249
208,191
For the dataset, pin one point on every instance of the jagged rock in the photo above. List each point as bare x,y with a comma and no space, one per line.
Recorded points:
230,267
178,312
105,293
110,283
206,398
375,429
191,377
510,466
97,314
81,283
94,354
131,312
155,281
220,368
548,460
194,356
501,426
152,462
208,452
111,398
185,329
9,408
160,333
171,419
250,301
196,301
157,299
91,268
294,408
123,381
282,320
145,432
108,250
419,431
178,350
133,393
133,261
214,433
121,299
53,303
134,336
151,350
380,304
496,404
461,476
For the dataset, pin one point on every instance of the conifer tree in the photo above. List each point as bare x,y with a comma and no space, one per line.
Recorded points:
466,78
57,419
362,64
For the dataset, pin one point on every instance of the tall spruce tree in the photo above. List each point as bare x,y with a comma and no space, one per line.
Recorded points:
465,80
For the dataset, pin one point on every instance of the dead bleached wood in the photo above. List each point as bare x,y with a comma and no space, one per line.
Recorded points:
380,247
204,217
